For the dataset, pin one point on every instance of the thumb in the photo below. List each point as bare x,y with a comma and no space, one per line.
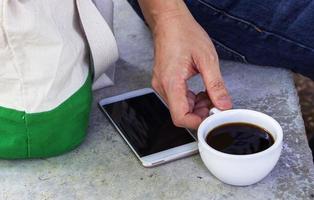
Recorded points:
210,71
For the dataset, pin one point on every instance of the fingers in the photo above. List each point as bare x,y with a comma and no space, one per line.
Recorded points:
180,102
201,112
191,100
181,109
208,66
202,100
202,105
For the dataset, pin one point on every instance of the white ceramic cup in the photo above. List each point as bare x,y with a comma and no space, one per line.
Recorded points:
239,170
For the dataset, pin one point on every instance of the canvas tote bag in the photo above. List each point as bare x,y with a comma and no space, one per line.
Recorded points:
45,84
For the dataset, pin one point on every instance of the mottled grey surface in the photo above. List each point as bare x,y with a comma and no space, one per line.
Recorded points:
103,167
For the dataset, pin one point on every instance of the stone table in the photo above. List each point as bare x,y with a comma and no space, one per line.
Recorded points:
104,167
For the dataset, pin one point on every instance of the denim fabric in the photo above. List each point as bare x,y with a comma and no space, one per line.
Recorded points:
273,33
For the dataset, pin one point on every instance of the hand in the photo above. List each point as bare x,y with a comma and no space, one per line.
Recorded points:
182,50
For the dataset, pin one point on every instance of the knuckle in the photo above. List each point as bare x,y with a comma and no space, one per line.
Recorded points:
177,122
213,58
154,83
216,85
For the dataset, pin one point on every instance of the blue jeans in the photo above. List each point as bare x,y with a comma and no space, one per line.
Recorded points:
271,33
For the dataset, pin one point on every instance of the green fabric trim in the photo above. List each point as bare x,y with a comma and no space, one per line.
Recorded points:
39,135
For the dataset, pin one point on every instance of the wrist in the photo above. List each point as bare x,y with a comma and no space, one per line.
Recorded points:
159,13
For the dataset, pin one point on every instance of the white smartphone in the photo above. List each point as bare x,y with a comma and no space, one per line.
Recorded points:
144,122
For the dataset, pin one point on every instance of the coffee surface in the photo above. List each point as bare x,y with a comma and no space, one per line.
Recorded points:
239,138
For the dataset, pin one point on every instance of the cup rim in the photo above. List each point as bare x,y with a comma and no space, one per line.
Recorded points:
278,140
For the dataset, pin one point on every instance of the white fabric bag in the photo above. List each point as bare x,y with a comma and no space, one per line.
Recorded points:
97,22
43,54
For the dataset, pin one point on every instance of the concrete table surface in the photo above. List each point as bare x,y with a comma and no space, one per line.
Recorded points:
104,167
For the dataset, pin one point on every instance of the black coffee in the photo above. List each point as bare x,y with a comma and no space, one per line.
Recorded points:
239,138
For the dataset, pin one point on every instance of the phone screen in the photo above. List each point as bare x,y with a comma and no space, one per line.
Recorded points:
146,123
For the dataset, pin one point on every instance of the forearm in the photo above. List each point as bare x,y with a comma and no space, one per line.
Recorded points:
158,11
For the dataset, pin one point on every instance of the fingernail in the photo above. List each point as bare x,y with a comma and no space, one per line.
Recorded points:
224,102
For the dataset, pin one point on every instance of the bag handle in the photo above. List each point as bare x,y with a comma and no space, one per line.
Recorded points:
102,43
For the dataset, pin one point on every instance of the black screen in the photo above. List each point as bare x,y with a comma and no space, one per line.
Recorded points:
146,123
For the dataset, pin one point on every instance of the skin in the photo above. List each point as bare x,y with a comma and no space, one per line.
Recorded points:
183,49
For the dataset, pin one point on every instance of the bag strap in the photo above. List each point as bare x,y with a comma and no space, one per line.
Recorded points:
102,44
